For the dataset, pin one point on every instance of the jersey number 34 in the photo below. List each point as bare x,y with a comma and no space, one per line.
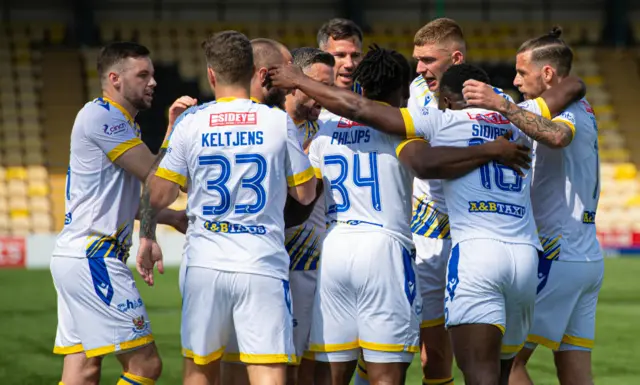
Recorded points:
338,183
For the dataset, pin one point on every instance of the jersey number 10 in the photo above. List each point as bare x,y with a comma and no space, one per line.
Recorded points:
338,186
499,174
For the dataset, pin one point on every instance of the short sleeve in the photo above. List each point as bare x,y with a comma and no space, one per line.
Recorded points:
538,106
112,134
568,118
399,146
179,119
298,168
421,122
174,166
314,154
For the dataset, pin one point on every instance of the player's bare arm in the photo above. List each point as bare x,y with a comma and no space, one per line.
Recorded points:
539,128
342,102
296,213
454,162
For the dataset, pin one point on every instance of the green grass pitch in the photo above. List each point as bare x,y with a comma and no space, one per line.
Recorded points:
28,323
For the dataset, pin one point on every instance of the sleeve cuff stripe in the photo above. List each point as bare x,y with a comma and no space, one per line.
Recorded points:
172,176
568,123
404,143
544,109
122,148
408,123
318,173
300,178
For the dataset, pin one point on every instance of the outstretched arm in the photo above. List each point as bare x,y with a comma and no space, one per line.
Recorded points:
540,127
296,213
454,162
341,102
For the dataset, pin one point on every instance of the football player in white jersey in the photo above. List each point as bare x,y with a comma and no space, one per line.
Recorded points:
565,193
266,53
99,307
240,156
305,225
342,38
477,357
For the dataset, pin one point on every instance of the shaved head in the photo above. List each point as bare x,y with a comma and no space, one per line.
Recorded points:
267,52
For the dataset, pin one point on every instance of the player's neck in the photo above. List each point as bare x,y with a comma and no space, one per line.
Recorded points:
232,91
117,98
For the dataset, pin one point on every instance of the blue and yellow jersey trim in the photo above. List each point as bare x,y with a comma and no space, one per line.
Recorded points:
123,147
408,123
172,176
309,128
560,119
400,147
110,246
544,109
357,88
551,247
428,221
300,178
303,246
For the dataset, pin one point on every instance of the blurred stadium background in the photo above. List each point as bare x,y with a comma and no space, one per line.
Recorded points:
47,72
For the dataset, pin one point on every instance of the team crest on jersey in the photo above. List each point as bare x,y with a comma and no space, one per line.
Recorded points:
139,324
492,117
346,123
233,119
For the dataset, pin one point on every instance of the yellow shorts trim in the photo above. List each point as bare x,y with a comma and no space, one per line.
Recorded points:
544,109
400,147
578,341
543,341
507,349
502,328
329,348
172,176
259,358
124,346
122,148
307,355
432,323
317,172
68,349
203,360
300,178
388,347
408,123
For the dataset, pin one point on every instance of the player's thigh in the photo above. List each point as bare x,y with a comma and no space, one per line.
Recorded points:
558,291
388,302
263,319
108,312
520,294
477,271
67,340
580,332
206,314
303,290
431,269
334,327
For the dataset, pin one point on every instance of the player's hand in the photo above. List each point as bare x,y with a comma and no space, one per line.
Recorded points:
513,155
180,221
149,254
284,76
179,106
482,95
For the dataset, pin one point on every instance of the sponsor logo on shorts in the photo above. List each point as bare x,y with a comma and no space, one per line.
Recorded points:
113,130
130,305
104,288
589,217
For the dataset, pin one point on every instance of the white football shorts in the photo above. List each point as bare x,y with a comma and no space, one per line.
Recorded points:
303,289
565,310
256,308
367,297
432,255
492,282
99,307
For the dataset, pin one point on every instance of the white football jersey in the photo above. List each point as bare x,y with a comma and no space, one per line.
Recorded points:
303,242
101,199
566,188
491,202
429,207
366,188
239,156
326,115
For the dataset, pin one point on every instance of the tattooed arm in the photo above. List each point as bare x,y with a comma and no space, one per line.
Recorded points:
554,134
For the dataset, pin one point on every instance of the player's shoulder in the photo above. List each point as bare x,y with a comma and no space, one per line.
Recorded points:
419,82
501,92
99,108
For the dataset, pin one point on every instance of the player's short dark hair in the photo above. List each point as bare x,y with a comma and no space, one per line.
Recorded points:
230,55
453,79
338,29
267,52
381,72
550,49
305,57
113,53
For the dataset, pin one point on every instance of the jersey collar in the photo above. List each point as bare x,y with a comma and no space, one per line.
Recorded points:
126,113
232,98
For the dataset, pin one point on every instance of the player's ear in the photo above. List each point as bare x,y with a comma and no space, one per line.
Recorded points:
211,75
548,73
114,78
262,75
457,57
